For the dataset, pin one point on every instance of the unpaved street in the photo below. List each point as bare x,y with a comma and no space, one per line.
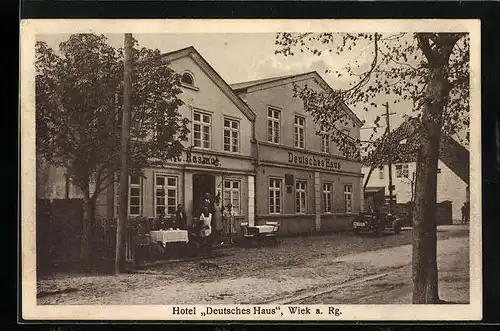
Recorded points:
252,275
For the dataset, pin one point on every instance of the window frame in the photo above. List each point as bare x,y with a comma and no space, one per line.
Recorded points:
297,134
274,189
272,138
230,129
299,194
326,192
348,193
325,143
165,188
202,125
130,187
231,190
381,172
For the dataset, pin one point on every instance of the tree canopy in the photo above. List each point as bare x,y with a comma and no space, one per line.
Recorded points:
385,66
78,108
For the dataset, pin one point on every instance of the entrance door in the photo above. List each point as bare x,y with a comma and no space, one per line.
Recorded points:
202,184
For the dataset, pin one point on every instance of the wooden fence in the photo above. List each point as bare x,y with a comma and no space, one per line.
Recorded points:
104,234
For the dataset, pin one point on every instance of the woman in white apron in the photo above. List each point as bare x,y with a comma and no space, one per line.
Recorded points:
206,220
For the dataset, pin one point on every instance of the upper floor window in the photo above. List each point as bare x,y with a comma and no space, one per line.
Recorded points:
202,127
325,143
273,125
381,172
187,79
402,170
299,130
231,135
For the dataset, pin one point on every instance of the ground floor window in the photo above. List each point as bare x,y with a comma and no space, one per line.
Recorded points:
300,197
348,198
232,194
134,196
166,195
327,197
275,185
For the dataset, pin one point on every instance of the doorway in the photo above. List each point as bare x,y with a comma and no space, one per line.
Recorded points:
202,184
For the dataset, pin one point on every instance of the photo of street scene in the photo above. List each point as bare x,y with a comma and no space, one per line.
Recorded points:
253,168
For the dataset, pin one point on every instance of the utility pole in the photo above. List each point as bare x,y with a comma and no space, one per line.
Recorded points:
388,124
124,171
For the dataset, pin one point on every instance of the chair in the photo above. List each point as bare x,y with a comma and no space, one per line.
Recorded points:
273,234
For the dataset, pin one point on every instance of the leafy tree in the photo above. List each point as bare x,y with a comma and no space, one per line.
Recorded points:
78,114
425,72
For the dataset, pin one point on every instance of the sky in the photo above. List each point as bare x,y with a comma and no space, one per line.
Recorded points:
239,57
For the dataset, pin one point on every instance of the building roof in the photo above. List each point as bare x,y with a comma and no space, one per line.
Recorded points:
374,189
451,153
244,85
263,83
213,75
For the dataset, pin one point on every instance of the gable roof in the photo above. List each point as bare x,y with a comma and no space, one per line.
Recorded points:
451,153
270,82
213,75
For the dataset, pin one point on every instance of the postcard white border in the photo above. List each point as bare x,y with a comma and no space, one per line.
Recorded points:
30,28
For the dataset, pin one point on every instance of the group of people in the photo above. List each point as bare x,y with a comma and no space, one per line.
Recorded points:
216,221
211,220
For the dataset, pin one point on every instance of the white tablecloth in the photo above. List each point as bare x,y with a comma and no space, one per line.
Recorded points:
169,236
265,228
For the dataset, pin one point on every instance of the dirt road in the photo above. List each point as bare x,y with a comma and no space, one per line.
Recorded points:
298,266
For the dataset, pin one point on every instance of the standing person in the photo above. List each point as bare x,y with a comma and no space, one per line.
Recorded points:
467,212
179,218
217,219
206,220
229,222
464,207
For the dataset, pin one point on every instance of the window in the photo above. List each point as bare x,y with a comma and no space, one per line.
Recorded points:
202,125
327,197
231,135
274,196
348,198
273,125
232,194
381,172
325,144
299,128
134,196
300,197
187,79
402,170
166,195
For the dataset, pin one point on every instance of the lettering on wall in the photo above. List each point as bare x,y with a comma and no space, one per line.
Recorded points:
320,162
191,158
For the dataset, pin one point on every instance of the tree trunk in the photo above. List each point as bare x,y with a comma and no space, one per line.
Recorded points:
424,264
87,223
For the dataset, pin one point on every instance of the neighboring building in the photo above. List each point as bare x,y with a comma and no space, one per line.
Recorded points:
218,154
450,187
301,178
253,144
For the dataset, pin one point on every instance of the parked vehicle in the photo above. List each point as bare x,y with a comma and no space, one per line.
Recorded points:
376,223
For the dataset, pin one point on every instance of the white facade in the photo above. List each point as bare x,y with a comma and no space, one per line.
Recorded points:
449,186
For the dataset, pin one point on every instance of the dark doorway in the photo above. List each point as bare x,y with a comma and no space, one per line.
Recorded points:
202,184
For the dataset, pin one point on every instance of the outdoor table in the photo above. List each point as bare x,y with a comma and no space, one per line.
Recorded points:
265,228
169,236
